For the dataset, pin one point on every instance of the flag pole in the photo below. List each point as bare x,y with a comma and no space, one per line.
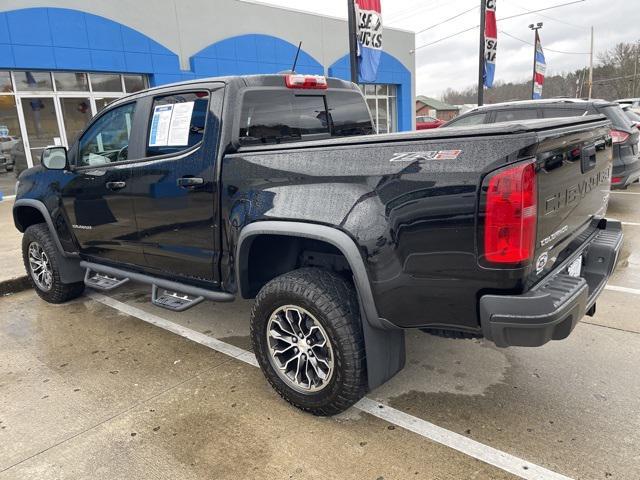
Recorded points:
483,9
353,41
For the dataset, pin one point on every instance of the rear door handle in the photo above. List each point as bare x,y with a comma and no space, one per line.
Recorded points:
186,182
115,185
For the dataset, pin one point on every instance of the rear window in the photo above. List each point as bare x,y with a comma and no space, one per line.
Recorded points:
557,112
616,115
518,114
477,119
280,116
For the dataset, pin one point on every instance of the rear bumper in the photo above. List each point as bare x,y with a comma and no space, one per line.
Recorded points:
551,309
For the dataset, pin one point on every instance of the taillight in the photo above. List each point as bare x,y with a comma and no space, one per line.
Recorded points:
306,81
511,215
618,137
615,180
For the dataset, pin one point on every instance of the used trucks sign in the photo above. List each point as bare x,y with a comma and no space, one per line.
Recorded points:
369,18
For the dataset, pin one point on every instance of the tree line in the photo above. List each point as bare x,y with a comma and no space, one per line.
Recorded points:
616,75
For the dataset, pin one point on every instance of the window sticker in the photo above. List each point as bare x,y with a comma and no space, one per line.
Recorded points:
159,134
180,124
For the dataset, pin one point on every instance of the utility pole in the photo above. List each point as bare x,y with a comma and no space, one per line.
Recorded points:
353,41
535,28
591,65
483,10
635,69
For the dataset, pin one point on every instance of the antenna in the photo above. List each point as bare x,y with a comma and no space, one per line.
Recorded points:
295,60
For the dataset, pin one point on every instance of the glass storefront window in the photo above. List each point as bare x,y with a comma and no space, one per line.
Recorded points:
33,81
102,102
382,104
76,113
134,83
42,124
71,81
105,82
12,158
5,82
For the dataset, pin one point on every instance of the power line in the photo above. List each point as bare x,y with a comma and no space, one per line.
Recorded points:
545,48
447,20
499,20
549,17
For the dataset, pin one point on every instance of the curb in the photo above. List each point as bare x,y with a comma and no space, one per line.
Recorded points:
14,285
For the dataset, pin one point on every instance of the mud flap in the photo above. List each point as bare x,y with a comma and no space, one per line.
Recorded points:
385,352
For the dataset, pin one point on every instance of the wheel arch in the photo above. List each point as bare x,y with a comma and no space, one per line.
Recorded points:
384,342
27,212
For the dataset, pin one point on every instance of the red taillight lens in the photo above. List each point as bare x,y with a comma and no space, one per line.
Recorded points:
511,215
306,81
616,180
618,137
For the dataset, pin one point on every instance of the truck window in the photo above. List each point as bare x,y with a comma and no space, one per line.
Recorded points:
280,116
518,114
349,114
107,140
177,122
270,116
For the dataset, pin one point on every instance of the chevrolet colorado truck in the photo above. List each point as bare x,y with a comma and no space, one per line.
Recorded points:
272,187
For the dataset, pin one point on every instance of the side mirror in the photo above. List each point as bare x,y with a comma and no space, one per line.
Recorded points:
54,158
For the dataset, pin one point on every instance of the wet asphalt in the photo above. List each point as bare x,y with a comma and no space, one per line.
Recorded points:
87,391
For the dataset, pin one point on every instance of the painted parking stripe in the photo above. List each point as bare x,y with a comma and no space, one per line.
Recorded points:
472,448
624,193
615,288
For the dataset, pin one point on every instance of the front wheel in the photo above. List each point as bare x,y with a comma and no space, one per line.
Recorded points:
307,337
41,260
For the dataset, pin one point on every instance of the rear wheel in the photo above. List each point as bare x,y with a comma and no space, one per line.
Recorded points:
307,337
41,260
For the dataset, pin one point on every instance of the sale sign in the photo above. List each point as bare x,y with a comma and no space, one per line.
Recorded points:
490,43
540,69
369,33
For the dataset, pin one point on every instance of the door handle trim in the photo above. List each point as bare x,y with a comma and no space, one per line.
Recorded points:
115,185
187,182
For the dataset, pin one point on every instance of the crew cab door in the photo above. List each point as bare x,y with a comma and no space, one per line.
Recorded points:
97,200
175,191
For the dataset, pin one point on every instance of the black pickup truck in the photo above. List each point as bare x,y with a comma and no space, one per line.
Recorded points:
272,187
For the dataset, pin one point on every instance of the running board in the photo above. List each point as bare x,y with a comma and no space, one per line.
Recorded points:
167,285
101,281
176,301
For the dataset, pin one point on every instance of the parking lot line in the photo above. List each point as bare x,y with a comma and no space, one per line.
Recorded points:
615,288
633,224
480,451
625,193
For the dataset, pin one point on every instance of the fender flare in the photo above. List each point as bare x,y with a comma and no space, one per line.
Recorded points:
384,342
70,270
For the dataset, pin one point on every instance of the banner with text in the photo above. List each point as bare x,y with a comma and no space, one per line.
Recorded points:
369,32
490,43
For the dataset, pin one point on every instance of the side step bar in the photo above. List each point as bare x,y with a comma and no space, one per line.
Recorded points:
102,281
168,285
175,301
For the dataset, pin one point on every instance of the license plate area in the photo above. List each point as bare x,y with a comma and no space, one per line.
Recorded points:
575,268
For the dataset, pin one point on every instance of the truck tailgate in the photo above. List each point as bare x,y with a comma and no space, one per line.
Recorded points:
573,175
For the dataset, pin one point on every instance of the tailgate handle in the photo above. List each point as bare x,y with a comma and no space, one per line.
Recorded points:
588,160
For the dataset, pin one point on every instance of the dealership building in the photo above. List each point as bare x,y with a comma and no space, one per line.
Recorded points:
62,63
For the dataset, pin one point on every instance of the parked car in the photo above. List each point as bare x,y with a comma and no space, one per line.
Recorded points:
633,103
6,144
626,154
425,122
272,187
633,116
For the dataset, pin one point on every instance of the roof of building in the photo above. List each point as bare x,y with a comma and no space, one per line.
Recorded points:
435,104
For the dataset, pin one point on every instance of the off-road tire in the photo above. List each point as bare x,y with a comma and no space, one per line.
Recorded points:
59,292
332,301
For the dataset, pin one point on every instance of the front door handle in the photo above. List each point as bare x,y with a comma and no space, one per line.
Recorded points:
186,182
115,185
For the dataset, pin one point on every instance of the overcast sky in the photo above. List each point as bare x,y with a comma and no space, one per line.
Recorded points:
453,62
